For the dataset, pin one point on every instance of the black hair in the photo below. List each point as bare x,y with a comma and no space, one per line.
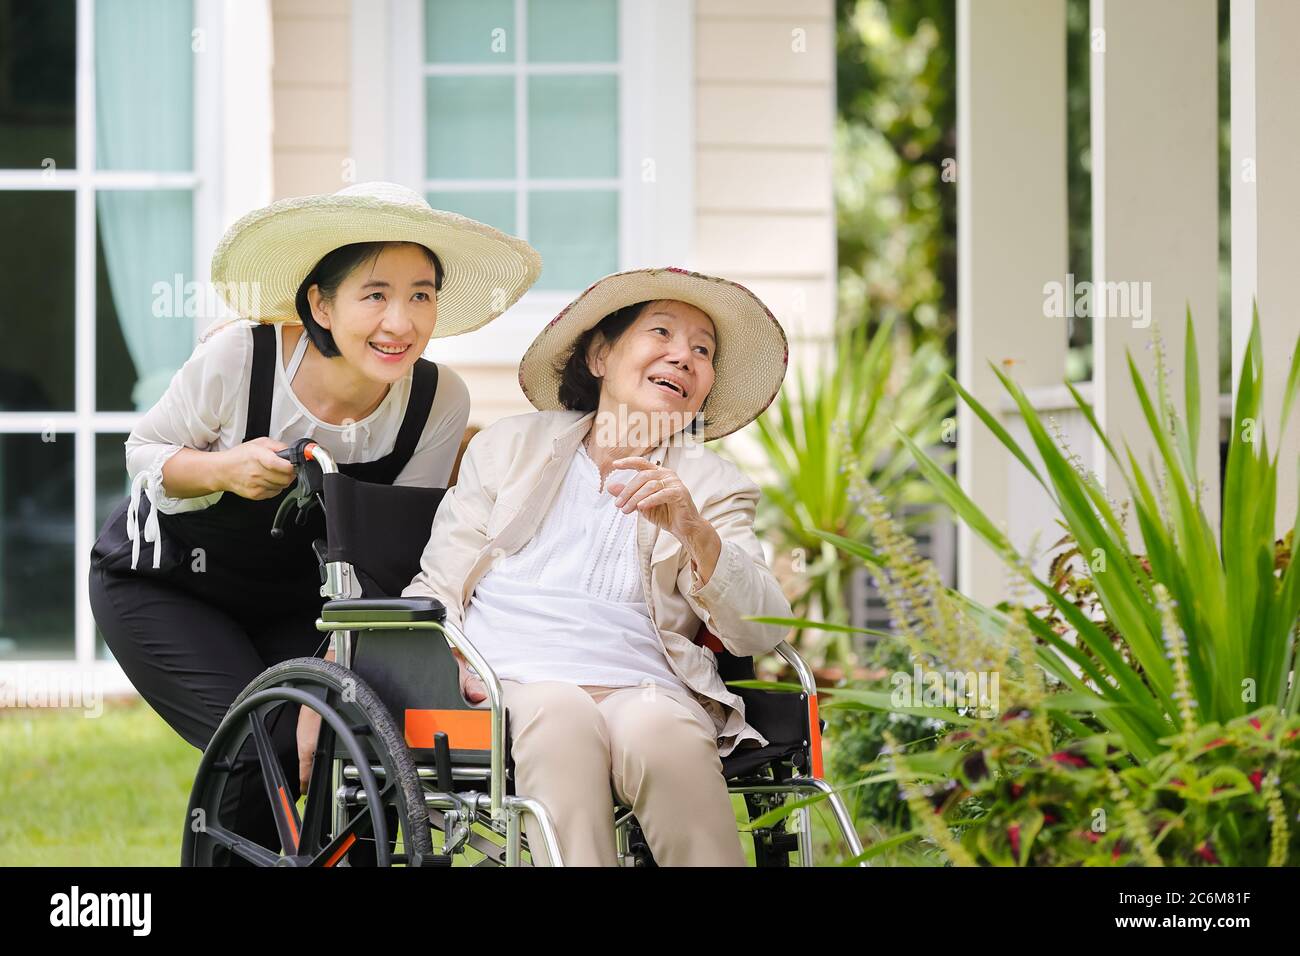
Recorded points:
329,273
579,389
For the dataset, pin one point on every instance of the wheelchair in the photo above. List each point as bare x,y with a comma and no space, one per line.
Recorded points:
401,748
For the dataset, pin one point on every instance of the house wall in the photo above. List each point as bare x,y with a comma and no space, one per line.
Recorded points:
311,95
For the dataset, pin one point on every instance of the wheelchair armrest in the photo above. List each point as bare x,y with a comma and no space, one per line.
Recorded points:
362,610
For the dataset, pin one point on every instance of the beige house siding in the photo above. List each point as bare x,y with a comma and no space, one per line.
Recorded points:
311,90
765,97
764,107
764,131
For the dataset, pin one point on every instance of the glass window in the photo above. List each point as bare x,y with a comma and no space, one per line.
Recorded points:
144,85
526,137
37,296
572,230
136,291
469,31
37,546
572,127
573,31
38,84
471,127
144,316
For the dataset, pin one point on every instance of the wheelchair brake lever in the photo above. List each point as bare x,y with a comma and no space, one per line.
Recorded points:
442,762
318,548
281,514
303,496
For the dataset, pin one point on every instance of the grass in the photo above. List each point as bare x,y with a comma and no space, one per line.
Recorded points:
77,790
112,790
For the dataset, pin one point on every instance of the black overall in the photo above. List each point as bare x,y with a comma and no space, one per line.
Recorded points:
227,600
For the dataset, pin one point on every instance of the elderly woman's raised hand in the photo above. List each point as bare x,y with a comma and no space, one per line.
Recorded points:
660,495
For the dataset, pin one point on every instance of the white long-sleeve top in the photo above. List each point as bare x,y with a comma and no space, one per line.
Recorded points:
205,407
569,605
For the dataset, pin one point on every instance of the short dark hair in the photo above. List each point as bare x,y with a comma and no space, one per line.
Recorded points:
329,273
579,389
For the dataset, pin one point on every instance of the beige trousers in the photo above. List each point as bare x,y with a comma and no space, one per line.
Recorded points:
653,745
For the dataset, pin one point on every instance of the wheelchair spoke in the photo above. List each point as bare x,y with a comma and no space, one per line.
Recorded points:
253,852
339,846
277,788
316,814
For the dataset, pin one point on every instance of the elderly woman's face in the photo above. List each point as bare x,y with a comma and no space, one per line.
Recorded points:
384,313
663,362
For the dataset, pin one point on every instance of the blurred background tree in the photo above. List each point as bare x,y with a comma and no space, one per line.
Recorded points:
896,128
896,92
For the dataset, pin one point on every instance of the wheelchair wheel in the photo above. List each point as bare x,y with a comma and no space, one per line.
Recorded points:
357,727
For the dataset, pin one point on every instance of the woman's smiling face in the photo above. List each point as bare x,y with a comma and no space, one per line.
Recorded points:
384,313
662,363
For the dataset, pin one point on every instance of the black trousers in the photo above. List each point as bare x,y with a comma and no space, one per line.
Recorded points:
190,659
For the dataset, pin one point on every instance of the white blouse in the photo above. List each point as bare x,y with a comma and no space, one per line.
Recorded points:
569,605
206,408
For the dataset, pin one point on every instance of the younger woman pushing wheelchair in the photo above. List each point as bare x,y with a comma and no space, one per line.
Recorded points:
372,273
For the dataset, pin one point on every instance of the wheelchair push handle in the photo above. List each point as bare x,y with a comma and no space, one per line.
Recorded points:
305,450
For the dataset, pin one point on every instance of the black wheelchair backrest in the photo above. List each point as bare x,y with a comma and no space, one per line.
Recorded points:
381,530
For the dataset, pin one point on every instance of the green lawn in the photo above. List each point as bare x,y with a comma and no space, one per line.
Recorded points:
112,790
103,791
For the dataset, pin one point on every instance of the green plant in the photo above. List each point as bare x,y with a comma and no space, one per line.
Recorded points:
1238,613
994,795
858,736
1154,692
810,435
1041,783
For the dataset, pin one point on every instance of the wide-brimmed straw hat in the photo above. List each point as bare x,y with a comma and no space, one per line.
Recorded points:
272,250
749,362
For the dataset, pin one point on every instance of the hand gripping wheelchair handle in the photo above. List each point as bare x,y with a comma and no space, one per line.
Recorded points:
300,452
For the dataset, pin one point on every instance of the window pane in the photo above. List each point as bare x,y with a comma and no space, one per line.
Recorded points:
37,546
576,231
573,31
111,480
494,208
144,85
145,317
572,126
36,301
461,31
111,486
38,84
470,127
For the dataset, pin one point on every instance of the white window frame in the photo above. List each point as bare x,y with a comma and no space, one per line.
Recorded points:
656,123
84,422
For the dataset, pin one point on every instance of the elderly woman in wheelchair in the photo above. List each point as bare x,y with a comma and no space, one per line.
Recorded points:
619,539
574,567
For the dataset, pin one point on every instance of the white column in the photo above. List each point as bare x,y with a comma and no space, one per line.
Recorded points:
232,126
1266,209
1155,213
246,101
1011,235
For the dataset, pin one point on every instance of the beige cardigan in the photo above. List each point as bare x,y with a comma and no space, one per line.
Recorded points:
508,477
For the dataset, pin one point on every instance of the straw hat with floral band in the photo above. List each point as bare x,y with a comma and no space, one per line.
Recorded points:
272,249
749,363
